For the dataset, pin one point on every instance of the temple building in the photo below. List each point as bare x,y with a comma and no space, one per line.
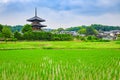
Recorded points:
36,25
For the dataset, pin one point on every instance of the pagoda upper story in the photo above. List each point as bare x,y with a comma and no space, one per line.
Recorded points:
36,25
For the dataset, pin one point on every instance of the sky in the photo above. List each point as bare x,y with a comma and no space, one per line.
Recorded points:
61,13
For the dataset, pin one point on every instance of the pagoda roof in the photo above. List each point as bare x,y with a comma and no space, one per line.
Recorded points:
36,18
43,26
40,25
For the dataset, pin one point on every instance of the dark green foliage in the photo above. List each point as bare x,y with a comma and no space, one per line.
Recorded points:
28,35
1,27
92,38
27,28
16,28
74,28
90,31
18,35
1,35
104,40
42,35
37,36
61,37
47,36
100,27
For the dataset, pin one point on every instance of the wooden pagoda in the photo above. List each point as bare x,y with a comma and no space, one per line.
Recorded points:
36,25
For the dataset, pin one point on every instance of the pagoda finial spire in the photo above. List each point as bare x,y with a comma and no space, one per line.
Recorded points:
35,11
36,25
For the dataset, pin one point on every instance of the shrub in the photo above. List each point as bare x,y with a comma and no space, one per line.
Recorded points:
18,35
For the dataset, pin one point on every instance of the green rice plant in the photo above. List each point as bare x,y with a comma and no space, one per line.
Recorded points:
42,64
59,45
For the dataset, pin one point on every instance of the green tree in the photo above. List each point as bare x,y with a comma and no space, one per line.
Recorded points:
92,38
1,27
17,35
6,32
100,27
27,28
77,28
1,35
60,29
17,28
91,31
28,35
82,31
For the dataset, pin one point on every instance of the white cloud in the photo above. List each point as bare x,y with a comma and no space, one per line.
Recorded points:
107,2
63,18
68,19
7,1
4,1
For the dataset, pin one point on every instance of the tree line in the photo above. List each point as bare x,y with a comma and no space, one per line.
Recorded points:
98,27
14,33
26,33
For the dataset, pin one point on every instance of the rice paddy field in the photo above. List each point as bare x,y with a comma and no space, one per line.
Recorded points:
60,61
59,45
